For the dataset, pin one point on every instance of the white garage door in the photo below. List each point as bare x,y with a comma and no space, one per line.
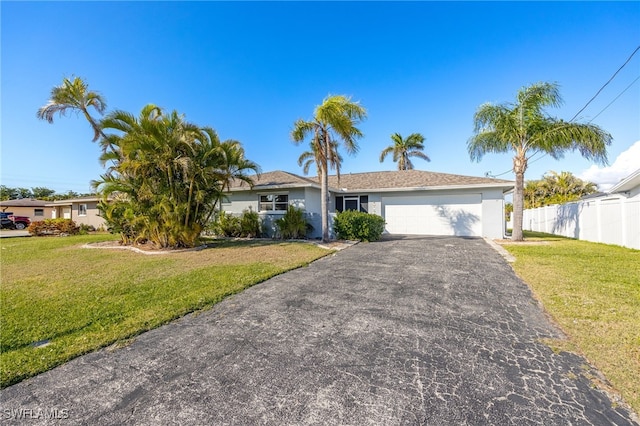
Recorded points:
434,215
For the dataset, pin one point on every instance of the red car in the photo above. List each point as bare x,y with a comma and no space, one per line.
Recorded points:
20,222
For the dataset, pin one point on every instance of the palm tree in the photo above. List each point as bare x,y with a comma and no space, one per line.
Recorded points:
168,175
307,158
525,129
402,149
74,95
334,121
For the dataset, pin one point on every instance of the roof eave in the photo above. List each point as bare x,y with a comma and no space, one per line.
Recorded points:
274,187
503,186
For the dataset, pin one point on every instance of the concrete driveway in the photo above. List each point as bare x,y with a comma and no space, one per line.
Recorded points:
435,331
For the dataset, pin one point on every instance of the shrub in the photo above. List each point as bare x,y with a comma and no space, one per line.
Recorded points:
250,224
247,225
84,229
293,224
53,227
354,225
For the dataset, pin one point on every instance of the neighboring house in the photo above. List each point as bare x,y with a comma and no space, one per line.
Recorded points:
83,211
611,218
410,201
32,208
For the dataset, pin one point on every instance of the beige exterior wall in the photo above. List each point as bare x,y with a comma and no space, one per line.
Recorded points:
30,212
88,215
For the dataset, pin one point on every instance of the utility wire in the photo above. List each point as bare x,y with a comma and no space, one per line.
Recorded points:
615,99
605,85
585,106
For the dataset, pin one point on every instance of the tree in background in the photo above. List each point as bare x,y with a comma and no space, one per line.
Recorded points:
42,193
556,188
334,123
39,193
404,149
74,96
525,129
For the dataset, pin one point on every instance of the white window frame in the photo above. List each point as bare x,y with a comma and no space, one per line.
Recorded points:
274,197
82,209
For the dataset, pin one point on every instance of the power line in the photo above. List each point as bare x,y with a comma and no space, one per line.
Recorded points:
488,174
615,99
605,85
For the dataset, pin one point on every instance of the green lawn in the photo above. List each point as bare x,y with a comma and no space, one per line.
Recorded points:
593,292
84,299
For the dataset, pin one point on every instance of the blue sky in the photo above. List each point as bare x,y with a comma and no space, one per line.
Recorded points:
250,69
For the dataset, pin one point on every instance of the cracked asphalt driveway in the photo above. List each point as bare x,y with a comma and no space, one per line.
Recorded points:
434,330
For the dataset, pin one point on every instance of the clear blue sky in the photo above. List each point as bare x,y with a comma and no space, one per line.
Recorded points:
250,69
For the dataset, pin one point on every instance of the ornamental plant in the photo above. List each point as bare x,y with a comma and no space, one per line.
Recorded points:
360,226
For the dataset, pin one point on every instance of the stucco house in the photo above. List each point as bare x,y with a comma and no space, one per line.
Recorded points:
411,202
82,210
32,208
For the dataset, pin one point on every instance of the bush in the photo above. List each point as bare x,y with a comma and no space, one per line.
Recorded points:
293,224
84,229
53,227
247,225
353,225
250,224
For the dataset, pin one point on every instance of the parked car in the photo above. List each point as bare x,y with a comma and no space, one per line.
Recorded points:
20,222
6,223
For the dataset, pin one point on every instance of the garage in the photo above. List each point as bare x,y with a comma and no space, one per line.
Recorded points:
459,214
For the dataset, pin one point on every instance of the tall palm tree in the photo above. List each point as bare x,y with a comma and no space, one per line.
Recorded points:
74,95
402,149
334,122
525,129
307,158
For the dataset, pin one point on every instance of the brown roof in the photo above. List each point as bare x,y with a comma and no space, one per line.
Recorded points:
405,179
23,202
410,179
277,179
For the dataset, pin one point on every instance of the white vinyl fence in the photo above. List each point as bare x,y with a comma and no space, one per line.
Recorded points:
610,220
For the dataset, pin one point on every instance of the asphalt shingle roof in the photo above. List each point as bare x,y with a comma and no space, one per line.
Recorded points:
277,179
375,180
407,179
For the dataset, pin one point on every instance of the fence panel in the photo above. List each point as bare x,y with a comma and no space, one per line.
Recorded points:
614,220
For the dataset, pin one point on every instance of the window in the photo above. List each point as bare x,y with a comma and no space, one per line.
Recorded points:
274,202
38,212
82,209
352,202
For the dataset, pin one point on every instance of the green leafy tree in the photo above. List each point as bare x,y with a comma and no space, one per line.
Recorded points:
403,149
334,123
556,188
73,95
42,193
7,193
524,129
24,193
165,176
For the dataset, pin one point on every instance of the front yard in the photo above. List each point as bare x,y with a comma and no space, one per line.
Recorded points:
593,292
59,300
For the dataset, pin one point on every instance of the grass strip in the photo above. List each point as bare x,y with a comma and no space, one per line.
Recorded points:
592,291
80,300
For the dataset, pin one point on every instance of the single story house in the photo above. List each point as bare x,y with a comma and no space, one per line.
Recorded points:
628,187
32,208
411,201
82,210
